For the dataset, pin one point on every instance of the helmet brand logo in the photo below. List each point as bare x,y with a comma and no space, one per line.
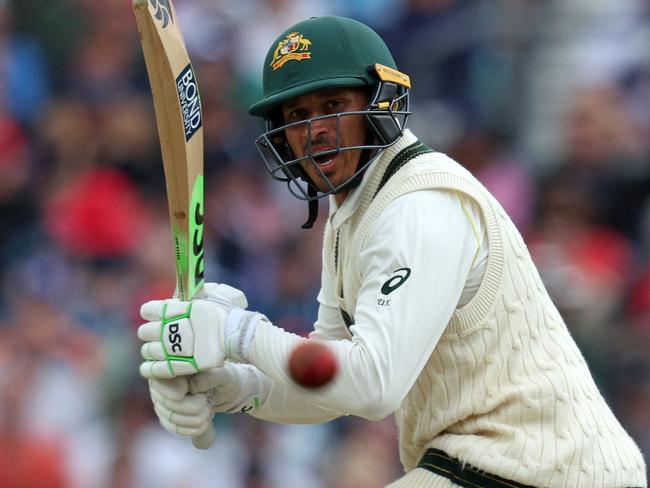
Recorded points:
295,46
389,74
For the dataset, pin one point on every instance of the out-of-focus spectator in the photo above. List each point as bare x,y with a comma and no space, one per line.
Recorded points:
102,66
66,134
49,389
632,343
24,79
584,264
607,157
26,458
466,60
260,24
127,138
377,13
575,43
244,221
638,305
97,214
297,281
507,178
17,209
56,26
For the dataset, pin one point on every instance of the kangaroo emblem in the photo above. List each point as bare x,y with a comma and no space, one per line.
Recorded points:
293,47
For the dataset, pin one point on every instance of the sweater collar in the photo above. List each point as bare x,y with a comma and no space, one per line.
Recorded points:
340,214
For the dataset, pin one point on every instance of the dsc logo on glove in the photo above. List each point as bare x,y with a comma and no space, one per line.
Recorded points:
175,338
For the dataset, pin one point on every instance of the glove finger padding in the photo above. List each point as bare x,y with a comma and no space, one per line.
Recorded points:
182,430
173,416
153,351
160,309
172,389
166,369
188,405
178,412
150,331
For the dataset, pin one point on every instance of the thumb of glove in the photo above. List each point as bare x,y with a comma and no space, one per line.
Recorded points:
173,389
220,293
219,378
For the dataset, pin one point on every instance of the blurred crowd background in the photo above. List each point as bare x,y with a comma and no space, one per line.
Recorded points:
546,102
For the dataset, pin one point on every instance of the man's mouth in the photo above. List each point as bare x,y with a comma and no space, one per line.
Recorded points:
325,159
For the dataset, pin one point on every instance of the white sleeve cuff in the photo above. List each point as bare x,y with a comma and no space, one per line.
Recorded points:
239,332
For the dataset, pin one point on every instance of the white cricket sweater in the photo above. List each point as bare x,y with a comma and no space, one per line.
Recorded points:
506,388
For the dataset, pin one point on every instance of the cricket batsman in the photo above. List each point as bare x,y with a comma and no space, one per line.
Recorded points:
429,298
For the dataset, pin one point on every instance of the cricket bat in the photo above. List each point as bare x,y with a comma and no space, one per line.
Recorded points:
180,128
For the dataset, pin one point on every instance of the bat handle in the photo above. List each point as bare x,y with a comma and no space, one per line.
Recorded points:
204,440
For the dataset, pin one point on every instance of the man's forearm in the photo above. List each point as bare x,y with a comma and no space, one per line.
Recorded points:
287,405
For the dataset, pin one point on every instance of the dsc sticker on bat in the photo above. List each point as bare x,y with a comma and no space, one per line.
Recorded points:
196,231
189,256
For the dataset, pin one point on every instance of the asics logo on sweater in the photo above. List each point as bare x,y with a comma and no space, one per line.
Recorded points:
394,282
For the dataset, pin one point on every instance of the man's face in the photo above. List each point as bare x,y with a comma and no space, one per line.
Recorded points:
337,167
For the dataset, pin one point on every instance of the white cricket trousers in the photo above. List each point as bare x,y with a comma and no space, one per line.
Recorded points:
421,478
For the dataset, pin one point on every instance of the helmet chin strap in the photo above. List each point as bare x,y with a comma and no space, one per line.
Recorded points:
313,207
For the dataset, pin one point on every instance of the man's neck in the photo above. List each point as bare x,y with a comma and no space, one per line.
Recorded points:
339,198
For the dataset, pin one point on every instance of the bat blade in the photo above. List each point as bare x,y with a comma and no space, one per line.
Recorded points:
177,104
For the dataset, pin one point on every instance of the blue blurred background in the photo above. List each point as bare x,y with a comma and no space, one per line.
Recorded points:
546,102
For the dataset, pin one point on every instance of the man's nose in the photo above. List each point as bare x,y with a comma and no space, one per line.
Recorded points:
322,128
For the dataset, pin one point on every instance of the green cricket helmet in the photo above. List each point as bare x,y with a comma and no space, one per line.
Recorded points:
322,53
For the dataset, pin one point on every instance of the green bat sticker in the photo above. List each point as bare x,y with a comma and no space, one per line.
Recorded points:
196,262
189,255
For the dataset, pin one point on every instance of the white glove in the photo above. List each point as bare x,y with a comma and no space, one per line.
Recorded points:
179,412
183,338
232,388
221,293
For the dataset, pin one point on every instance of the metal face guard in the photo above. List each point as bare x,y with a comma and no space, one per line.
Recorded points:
386,121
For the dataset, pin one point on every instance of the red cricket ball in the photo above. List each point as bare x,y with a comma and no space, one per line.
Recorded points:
312,364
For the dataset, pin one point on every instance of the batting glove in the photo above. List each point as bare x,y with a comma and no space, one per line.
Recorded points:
183,338
233,388
178,411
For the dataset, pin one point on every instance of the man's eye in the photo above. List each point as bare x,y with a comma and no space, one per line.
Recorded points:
334,104
296,115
